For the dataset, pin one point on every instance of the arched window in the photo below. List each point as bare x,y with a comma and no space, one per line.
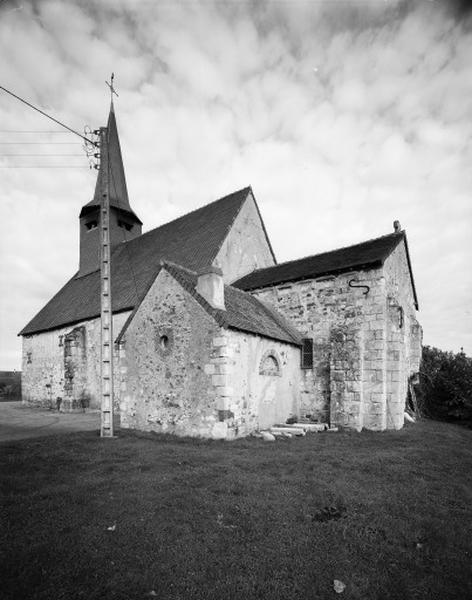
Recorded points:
269,364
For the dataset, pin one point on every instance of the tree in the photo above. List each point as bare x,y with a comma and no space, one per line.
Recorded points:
445,390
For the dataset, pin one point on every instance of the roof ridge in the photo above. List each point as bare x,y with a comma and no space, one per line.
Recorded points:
164,262
293,260
187,214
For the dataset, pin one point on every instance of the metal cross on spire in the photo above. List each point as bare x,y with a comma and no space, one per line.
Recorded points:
112,87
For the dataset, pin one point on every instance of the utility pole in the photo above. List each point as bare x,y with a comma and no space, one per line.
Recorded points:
106,313
106,341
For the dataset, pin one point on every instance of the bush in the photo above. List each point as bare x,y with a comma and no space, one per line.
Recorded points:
445,390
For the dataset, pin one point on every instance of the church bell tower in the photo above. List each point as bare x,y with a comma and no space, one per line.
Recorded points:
124,224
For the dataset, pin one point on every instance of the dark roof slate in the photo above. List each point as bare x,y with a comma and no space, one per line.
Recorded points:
118,189
243,311
192,240
364,255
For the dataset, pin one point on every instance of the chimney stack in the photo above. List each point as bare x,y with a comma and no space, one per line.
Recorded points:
397,227
210,286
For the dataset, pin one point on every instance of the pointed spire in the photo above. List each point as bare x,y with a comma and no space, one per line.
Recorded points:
117,181
124,224
118,190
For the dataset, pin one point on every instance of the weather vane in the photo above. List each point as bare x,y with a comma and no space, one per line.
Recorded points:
112,88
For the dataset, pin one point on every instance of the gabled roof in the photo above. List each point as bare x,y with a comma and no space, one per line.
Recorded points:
365,255
192,240
118,189
243,311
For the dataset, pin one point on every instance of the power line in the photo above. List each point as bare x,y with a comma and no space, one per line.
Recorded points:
46,115
2,155
40,143
43,167
31,131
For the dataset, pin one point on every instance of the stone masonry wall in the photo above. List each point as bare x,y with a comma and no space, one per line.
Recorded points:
245,247
346,385
172,362
259,382
65,364
404,335
205,380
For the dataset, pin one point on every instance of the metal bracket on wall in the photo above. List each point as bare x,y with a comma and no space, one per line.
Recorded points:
352,285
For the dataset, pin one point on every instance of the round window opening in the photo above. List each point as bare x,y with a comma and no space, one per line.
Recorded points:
164,342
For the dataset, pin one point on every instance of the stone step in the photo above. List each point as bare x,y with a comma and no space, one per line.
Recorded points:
310,427
294,429
281,434
287,428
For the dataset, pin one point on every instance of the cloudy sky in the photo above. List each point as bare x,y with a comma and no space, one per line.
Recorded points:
343,115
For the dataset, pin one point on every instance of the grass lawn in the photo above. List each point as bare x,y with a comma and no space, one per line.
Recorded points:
142,516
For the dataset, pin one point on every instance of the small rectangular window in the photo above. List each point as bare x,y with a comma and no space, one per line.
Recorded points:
91,225
307,353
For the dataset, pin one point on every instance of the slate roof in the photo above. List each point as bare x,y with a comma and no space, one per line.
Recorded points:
365,255
192,240
118,189
243,311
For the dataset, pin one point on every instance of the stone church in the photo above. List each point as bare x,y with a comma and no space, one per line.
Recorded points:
214,338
